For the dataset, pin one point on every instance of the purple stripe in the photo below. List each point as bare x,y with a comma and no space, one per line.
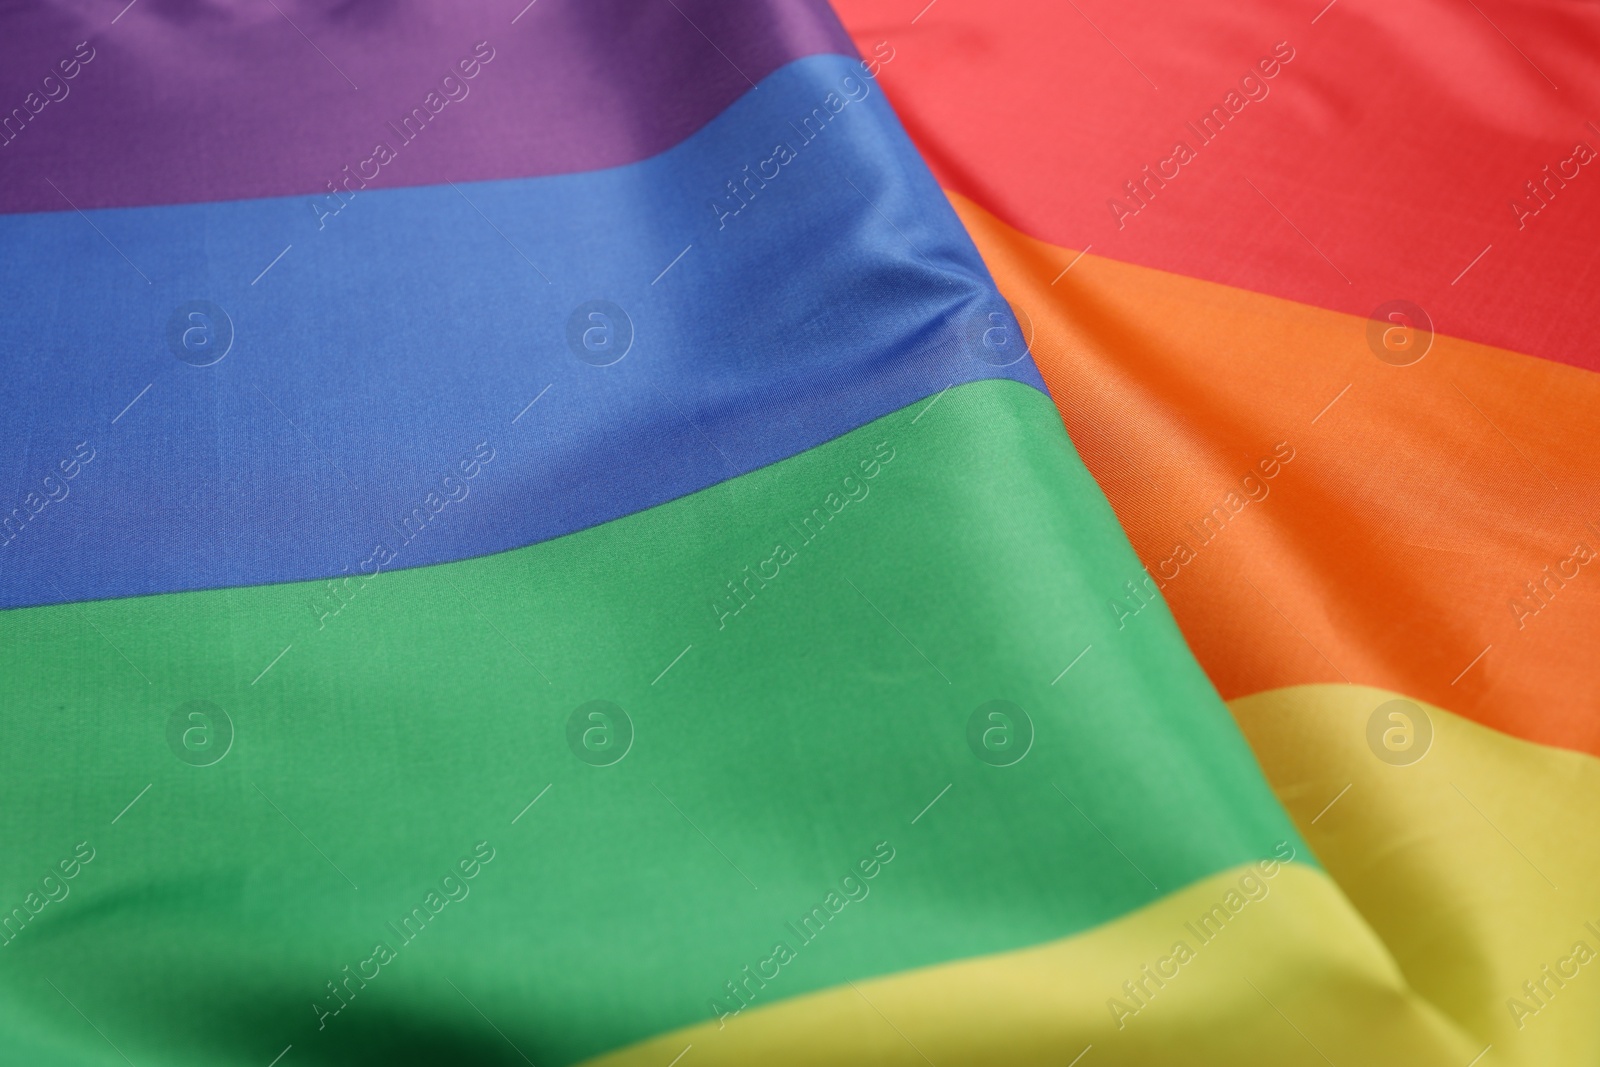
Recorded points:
188,102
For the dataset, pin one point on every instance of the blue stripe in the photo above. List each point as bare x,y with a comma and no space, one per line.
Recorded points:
397,338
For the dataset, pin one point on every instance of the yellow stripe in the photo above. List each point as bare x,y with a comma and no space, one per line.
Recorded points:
1478,865
1291,978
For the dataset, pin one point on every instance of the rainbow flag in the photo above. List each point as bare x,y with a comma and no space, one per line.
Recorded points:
672,533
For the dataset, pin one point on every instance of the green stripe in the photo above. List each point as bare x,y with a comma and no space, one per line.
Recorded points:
777,752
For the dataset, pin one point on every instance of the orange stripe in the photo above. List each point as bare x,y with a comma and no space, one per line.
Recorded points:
1390,550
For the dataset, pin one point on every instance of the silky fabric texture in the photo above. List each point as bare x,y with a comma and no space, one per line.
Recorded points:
410,332
1343,155
801,733
1358,237
596,574
380,697
545,89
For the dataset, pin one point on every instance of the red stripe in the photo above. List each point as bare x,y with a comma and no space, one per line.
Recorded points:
1388,151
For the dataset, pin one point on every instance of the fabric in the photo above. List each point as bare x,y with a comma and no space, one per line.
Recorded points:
1208,232
559,533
